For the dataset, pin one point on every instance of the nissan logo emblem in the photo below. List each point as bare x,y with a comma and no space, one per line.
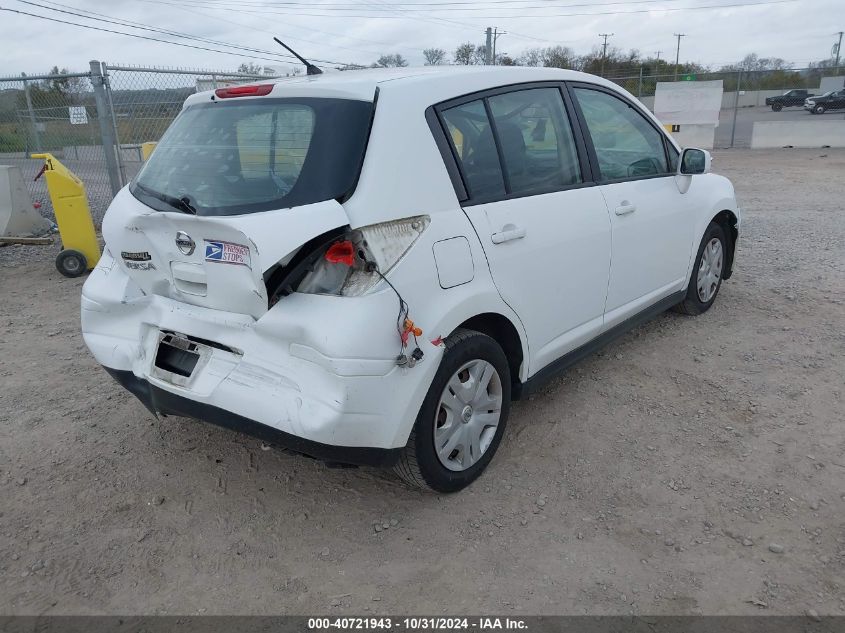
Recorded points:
185,244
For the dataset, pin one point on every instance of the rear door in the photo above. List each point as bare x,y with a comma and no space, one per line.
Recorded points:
213,262
543,225
235,186
652,221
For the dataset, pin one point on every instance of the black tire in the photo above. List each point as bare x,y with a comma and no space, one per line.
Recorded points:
419,465
777,107
71,263
819,109
692,304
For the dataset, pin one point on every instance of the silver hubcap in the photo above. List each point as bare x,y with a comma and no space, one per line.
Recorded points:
468,415
710,270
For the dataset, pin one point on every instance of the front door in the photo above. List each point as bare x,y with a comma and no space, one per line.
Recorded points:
652,221
546,232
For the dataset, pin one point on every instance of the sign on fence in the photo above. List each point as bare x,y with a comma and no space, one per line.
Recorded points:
77,115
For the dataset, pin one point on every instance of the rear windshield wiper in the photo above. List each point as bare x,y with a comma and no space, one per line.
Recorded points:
182,204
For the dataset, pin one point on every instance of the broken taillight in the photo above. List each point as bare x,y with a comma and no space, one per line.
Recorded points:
344,268
341,253
255,90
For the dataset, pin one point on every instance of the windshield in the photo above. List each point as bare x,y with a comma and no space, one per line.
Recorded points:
228,158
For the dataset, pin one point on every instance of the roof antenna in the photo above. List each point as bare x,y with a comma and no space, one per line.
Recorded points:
310,69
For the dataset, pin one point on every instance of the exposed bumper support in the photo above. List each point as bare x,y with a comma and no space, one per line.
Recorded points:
162,402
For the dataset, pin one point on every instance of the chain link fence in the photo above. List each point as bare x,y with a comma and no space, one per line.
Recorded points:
56,114
144,101
96,121
644,84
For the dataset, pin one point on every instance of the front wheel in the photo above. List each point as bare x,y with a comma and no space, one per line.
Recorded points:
819,109
706,278
777,107
463,416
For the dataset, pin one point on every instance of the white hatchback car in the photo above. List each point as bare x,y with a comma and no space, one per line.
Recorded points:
368,267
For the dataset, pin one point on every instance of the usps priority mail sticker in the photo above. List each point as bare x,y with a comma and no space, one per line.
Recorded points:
227,253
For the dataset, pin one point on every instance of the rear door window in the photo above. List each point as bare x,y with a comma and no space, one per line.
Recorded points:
471,135
239,157
538,149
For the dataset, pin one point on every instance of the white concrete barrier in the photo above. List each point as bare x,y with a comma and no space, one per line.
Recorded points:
820,133
17,217
747,99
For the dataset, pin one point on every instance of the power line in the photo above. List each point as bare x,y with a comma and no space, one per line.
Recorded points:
140,25
407,14
192,10
377,15
450,3
427,6
149,38
144,27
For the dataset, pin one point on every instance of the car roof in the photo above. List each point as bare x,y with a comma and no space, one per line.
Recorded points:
452,81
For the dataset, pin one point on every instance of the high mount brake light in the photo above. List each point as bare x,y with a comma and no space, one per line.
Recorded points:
259,90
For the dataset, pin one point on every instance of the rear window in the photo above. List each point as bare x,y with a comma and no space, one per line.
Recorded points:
236,157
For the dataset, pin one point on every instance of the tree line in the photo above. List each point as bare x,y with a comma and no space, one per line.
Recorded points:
763,72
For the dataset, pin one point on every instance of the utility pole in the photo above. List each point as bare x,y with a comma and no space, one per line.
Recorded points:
488,47
658,55
678,53
838,50
604,50
496,34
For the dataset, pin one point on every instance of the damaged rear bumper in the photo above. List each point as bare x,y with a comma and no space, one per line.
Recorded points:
162,402
301,376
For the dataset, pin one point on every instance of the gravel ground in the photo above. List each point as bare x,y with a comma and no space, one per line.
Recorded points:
696,466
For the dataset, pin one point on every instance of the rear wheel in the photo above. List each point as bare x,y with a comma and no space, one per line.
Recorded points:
463,416
71,263
706,278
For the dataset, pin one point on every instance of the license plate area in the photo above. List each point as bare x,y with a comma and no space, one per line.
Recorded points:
177,358
177,355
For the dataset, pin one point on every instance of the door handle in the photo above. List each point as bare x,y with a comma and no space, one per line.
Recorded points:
625,208
508,232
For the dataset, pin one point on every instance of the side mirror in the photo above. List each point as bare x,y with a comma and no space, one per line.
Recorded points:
694,161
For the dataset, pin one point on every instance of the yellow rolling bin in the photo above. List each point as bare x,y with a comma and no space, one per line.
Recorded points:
80,249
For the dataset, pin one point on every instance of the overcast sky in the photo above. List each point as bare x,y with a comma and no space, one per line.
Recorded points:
347,31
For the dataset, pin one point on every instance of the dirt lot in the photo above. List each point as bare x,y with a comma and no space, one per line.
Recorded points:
655,477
